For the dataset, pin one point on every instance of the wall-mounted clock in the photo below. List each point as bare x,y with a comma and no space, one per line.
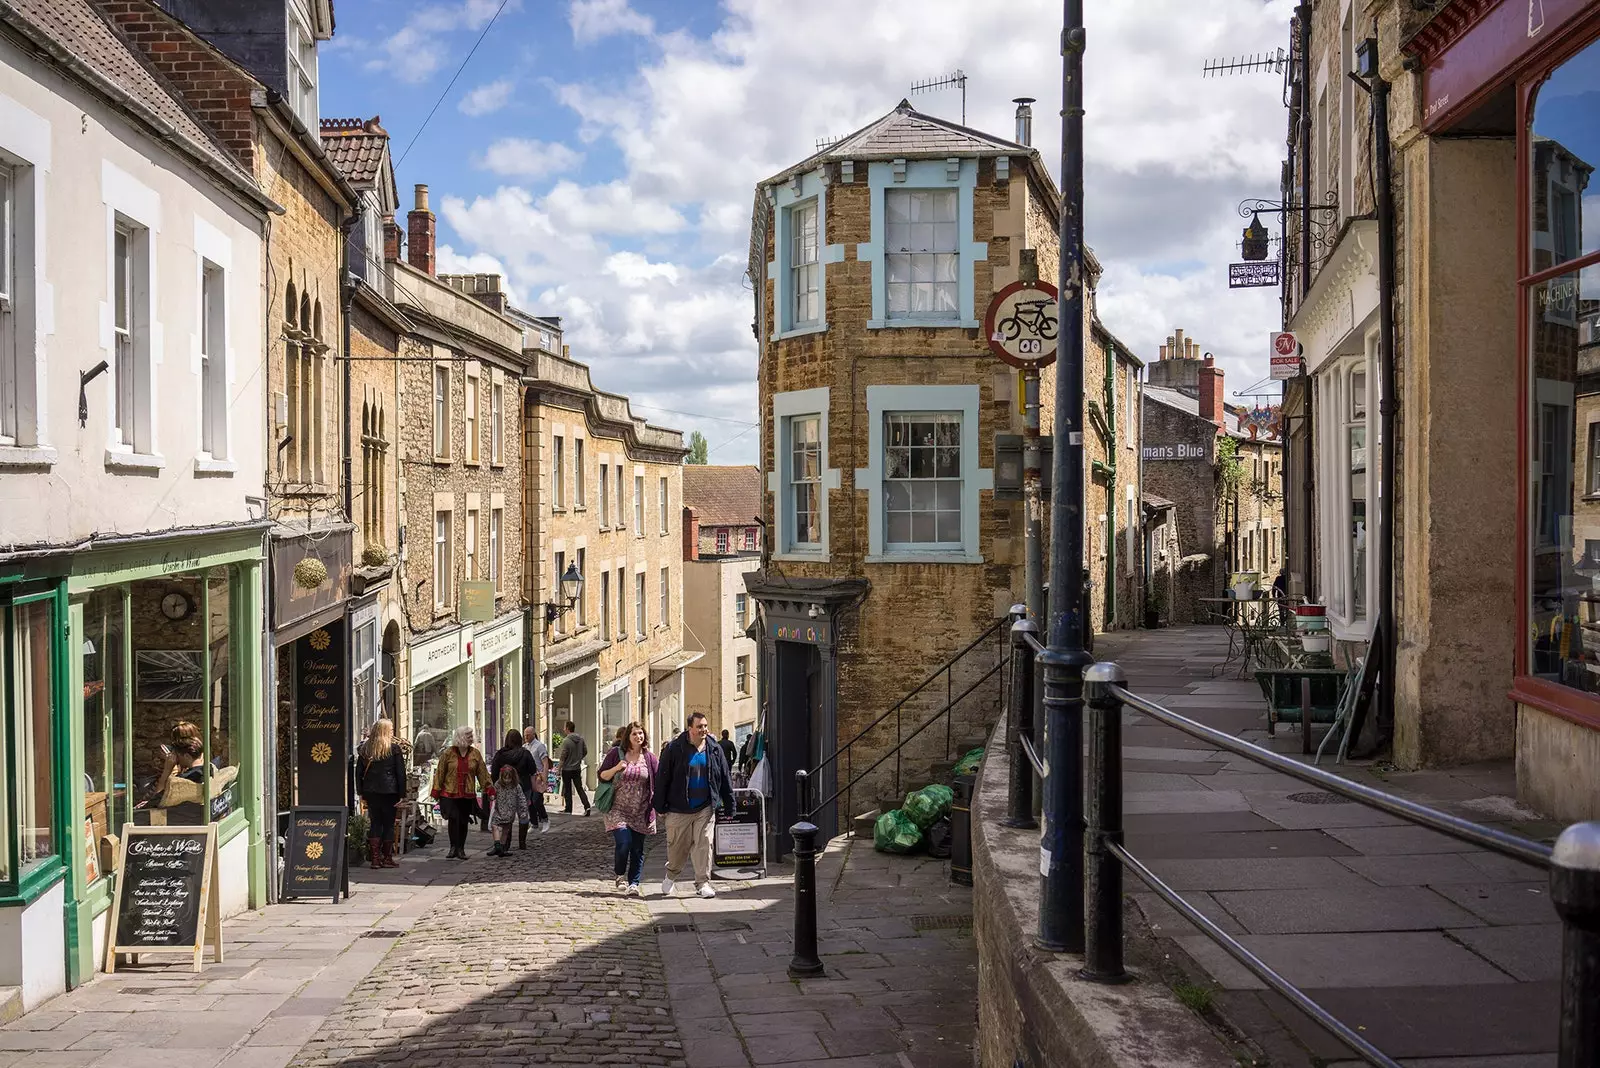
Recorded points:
176,605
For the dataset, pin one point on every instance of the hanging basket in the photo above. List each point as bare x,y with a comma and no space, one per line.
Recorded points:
310,573
374,556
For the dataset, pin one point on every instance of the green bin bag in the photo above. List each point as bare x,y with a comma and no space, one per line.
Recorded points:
926,805
895,833
968,764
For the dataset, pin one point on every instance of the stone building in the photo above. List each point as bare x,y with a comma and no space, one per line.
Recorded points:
604,500
1217,473
132,465
1113,548
459,498
721,544
875,260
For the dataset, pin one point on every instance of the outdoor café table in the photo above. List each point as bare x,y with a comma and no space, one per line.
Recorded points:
1248,622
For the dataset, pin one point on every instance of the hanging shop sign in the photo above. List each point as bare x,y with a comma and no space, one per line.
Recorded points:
477,601
1022,326
319,726
1253,275
167,898
1284,352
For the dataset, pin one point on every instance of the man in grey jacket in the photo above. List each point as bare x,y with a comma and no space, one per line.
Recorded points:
573,751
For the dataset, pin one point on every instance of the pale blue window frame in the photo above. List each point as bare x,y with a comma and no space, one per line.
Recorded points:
964,400
798,191
786,408
924,174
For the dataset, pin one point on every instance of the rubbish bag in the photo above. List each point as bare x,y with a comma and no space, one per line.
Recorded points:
928,804
968,764
895,833
938,838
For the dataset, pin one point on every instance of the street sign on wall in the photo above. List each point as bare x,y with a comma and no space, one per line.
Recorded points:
1252,275
1284,354
1022,325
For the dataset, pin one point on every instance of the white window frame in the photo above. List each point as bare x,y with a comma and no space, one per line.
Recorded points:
582,560
555,584
800,192
10,299
443,558
558,472
129,297
580,499
1334,421
213,361
958,174
722,541
441,411
962,399
25,153
804,264
641,621
906,255
665,493
741,606
741,676
786,407
605,497
496,524
497,423
622,604
622,498
1345,189
471,545
638,506
665,612
605,604
302,68
473,430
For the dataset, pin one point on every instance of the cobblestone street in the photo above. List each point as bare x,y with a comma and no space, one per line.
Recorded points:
536,960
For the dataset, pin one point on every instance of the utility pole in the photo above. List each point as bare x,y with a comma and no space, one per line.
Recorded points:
1061,844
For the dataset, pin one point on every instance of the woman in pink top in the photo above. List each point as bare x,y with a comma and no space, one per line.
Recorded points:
632,772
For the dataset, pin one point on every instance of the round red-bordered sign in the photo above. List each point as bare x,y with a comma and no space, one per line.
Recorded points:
1021,324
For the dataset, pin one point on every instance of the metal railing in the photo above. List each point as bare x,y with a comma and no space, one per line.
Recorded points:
1574,862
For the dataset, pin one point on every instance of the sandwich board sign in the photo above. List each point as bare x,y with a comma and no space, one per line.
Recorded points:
167,898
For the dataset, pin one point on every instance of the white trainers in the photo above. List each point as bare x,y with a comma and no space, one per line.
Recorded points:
620,881
633,889
544,828
706,891
666,887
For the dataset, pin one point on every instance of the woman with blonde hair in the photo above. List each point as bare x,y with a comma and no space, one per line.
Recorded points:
457,777
381,778
630,767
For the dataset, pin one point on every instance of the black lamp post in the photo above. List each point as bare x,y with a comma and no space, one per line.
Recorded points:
571,589
1061,843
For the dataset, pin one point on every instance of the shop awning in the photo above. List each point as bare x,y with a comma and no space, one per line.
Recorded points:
565,656
666,665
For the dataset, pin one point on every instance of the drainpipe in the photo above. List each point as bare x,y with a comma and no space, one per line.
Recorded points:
1387,404
1303,15
1145,563
1112,504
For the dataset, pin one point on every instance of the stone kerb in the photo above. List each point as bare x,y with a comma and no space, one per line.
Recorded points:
1033,1010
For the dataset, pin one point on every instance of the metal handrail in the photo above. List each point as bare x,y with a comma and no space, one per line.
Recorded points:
847,787
1510,845
924,684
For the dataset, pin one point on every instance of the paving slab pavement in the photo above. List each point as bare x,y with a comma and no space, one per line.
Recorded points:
1443,954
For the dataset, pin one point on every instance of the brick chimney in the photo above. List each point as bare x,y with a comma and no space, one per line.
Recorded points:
691,534
391,237
420,233
1211,391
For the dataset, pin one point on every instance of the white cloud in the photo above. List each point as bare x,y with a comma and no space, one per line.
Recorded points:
520,157
417,50
645,263
487,98
592,20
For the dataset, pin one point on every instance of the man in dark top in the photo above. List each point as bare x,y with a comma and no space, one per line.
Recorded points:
692,781
573,750
730,752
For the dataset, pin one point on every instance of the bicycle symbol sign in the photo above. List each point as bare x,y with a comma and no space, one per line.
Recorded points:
1022,325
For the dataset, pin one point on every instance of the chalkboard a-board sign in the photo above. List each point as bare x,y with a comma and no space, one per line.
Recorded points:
313,859
167,898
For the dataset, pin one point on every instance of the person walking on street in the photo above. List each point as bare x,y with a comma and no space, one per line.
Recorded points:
693,781
631,769
512,755
541,765
381,776
457,777
730,752
573,751
510,806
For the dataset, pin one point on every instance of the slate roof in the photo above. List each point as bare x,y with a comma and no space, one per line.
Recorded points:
722,496
75,31
356,147
1173,398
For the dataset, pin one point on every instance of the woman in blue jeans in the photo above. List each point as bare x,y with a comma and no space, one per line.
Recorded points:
631,770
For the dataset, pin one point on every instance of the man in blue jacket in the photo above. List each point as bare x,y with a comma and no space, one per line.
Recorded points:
691,782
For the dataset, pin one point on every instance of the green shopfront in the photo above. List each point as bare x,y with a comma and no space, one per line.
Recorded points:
132,694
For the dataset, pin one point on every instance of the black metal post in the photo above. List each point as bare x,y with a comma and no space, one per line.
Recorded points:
1102,915
805,963
1575,889
1388,400
1019,725
1061,844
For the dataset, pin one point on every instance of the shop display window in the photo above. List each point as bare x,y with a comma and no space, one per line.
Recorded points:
27,737
107,767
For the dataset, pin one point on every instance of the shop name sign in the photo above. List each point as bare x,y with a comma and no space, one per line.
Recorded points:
1253,275
435,657
1181,451
1504,35
491,645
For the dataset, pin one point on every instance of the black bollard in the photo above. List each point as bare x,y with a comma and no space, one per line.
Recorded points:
1102,906
1019,725
805,964
1575,889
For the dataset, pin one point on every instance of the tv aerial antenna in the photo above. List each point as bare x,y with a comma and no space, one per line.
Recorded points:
956,79
1262,63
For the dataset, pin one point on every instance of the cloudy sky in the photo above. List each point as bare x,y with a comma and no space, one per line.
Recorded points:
602,154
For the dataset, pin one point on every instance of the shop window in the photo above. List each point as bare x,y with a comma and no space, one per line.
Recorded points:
922,257
433,707
107,757
605,605
741,675
580,493
1347,422
364,686
640,622
638,506
26,732
213,362
474,391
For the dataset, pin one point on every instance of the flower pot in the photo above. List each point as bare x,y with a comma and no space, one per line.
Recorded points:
1316,642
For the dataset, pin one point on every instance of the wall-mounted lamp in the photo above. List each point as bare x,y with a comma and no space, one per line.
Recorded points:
1367,58
814,612
571,589
84,378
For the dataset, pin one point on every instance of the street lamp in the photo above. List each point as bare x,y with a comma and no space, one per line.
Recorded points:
571,587
1254,245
